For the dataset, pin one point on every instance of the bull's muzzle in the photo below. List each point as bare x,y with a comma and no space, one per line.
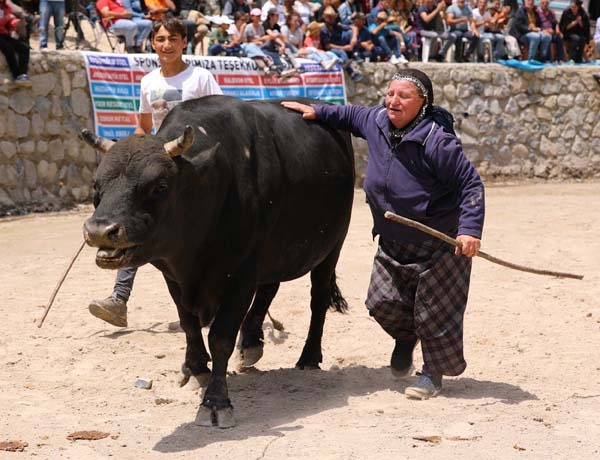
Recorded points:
114,250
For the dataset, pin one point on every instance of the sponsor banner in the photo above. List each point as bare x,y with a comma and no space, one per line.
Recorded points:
115,85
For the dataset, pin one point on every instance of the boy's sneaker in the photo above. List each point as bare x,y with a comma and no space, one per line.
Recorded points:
394,60
23,80
426,387
112,310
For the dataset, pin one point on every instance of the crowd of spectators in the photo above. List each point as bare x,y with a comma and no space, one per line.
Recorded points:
345,32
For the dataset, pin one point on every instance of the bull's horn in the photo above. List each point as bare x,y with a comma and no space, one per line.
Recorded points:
178,146
99,143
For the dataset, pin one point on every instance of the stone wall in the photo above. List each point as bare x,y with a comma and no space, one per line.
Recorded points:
43,165
513,124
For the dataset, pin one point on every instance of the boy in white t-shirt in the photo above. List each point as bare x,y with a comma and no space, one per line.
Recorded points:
175,81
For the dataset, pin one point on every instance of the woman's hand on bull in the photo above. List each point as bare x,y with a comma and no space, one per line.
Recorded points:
307,111
470,245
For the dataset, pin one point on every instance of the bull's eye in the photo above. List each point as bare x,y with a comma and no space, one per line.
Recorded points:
159,191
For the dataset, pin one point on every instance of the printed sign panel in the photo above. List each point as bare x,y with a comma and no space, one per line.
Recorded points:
115,85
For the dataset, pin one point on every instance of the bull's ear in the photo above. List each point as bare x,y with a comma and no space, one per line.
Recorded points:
97,142
179,146
206,157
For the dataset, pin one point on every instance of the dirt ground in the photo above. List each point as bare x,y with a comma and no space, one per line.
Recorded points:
531,389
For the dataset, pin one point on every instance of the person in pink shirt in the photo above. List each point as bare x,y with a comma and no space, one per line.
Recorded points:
15,51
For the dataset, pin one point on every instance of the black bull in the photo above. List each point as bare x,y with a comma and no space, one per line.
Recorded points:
248,196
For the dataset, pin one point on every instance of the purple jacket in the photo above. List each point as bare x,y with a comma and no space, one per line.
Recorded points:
427,177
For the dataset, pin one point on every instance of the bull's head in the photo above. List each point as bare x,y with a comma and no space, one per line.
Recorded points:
134,196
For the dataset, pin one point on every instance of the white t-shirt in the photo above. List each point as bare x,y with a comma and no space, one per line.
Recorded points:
160,94
295,38
478,17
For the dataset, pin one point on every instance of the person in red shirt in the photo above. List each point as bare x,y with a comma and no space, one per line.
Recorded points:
116,18
15,51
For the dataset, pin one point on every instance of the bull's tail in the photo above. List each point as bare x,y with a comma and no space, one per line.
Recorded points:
336,299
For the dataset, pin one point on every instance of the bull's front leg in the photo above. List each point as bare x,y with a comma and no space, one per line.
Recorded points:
196,357
216,408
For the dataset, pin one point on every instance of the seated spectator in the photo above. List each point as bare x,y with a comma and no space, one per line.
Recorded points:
336,38
325,4
550,27
459,18
483,23
219,42
383,5
527,29
267,8
391,41
402,13
158,9
312,47
501,17
306,10
575,26
292,32
254,39
238,28
288,8
431,24
144,25
15,51
24,20
206,7
233,6
362,40
347,10
116,18
196,11
275,45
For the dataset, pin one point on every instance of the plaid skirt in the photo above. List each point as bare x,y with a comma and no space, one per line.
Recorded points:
421,289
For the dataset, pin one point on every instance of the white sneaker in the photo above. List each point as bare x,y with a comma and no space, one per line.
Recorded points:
328,64
402,60
394,60
289,73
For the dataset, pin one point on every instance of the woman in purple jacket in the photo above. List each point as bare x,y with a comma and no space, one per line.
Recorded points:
417,168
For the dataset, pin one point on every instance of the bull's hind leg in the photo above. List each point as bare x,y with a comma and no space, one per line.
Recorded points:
252,339
196,356
324,293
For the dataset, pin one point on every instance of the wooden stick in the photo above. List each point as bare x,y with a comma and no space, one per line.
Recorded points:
453,242
60,282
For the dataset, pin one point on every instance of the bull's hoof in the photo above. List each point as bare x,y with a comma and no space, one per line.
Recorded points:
307,366
204,417
250,356
222,418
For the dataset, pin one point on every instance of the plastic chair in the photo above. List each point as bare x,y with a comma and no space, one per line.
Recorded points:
426,43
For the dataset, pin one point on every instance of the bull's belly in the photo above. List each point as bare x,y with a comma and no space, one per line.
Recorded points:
302,240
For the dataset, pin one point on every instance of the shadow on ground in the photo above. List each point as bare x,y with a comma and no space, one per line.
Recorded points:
291,394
